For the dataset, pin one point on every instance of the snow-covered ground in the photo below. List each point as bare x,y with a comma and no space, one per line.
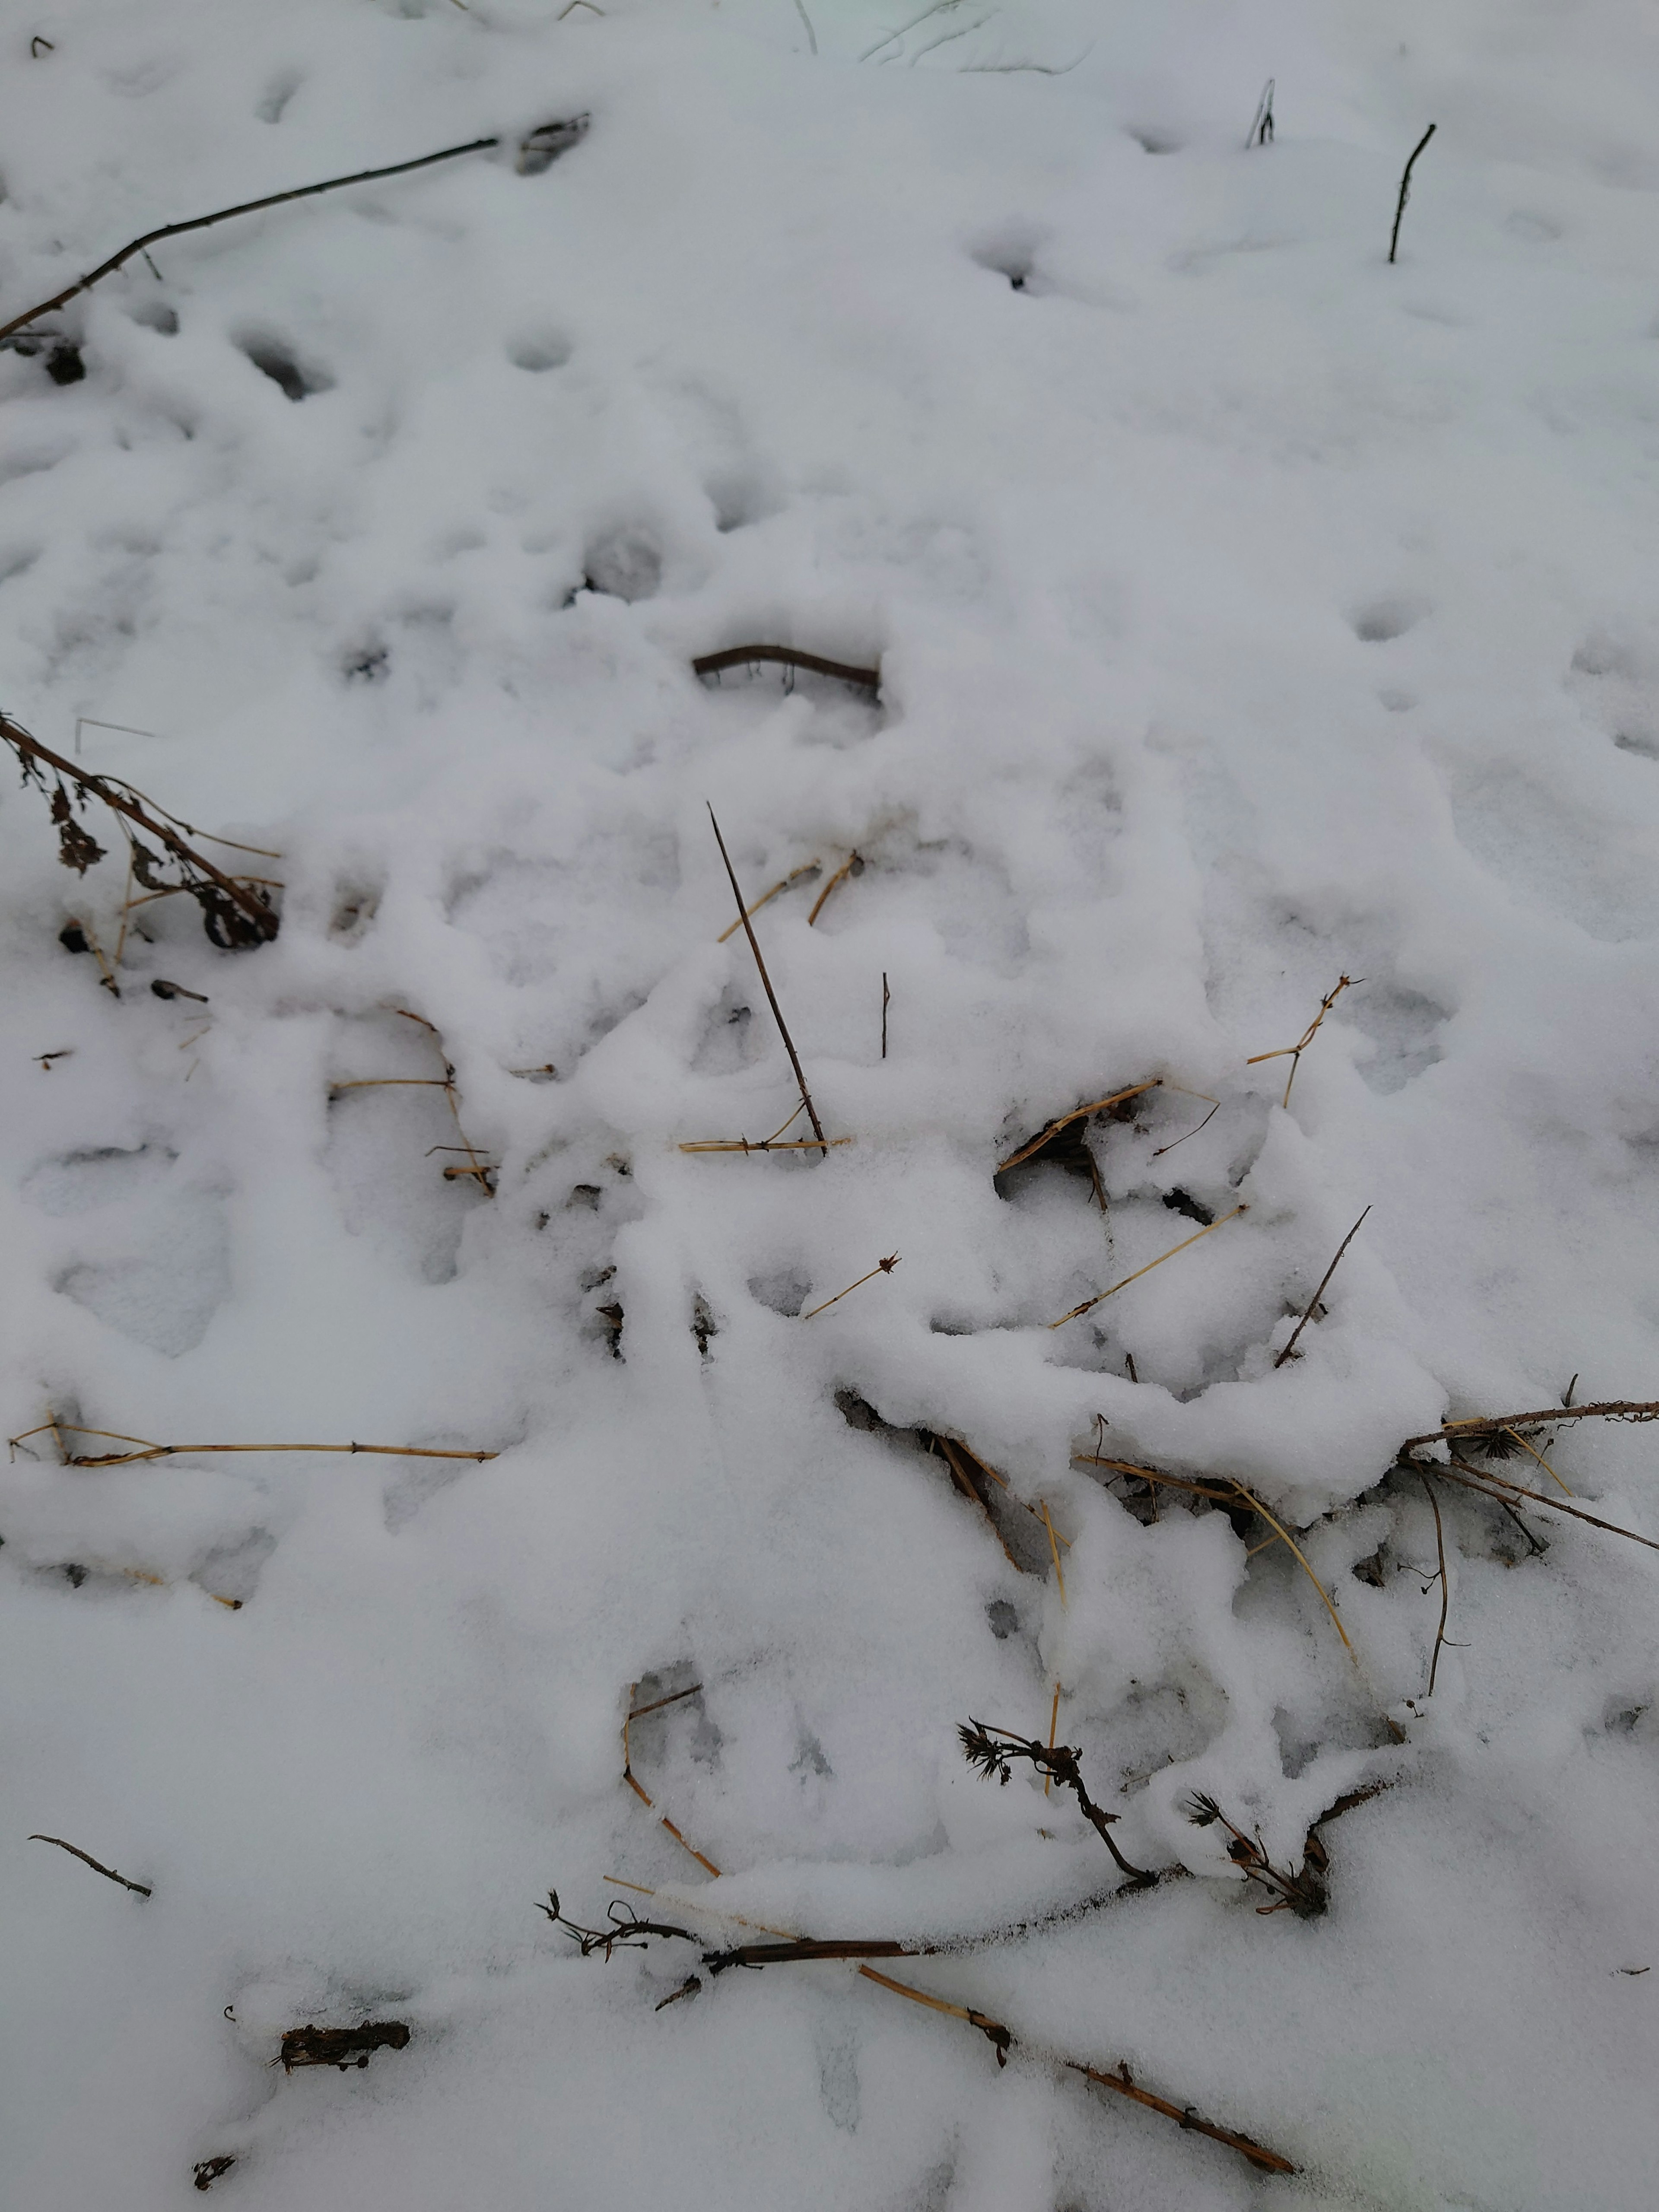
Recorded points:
1249,614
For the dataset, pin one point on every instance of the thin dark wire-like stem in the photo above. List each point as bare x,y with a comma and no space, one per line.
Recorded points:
109,1874
772,996
886,1000
1405,189
1319,1293
247,207
1478,1479
1445,1593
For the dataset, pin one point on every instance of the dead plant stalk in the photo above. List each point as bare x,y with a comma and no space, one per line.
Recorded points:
1295,1051
771,995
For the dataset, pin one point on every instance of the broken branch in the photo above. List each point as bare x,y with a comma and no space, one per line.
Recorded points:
109,1874
1314,1301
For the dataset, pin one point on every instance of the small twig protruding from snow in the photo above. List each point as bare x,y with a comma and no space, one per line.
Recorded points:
1405,189
1295,1051
771,995
882,1267
1313,1302
139,1889
1089,1302
1262,128
1302,1893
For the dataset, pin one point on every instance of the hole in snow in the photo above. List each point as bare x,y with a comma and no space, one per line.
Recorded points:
1156,142
1011,253
538,352
784,1291
277,361
1384,619
624,565
281,91
156,315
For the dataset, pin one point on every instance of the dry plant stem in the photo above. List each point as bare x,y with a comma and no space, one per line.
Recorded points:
1566,1488
736,656
138,1889
628,1717
1498,1425
791,1947
1404,193
1314,1301
1478,1479
149,1451
476,1167
1445,1594
1152,1474
247,207
120,800
638,1712
991,1749
1090,1303
1060,1576
886,1000
1077,1114
772,996
766,898
839,876
1215,1107
882,1267
1343,983
1255,1504
765,1145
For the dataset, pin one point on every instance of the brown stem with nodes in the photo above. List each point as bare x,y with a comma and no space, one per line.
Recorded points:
991,1750
1295,1051
1089,1303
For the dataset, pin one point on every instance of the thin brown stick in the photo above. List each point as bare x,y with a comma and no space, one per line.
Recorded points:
735,656
1060,1571
1479,1479
1090,1303
886,1000
638,1712
1077,1114
122,800
1343,983
151,1451
1313,1302
247,207
1490,1425
1445,1593
109,1874
772,996
839,876
766,897
1405,190
882,1267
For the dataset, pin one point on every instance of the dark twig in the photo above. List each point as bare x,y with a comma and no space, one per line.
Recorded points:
799,1949
991,1750
1262,128
886,998
247,207
1405,189
234,915
772,996
736,656
108,1872
1480,1478
1302,1893
626,1930
1314,1301
1445,1594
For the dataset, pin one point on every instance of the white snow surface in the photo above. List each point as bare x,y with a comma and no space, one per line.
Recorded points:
1249,613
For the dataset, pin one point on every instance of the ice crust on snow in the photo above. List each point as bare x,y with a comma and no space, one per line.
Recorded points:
1249,613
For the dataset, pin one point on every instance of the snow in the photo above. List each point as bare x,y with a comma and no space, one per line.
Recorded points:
1249,613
